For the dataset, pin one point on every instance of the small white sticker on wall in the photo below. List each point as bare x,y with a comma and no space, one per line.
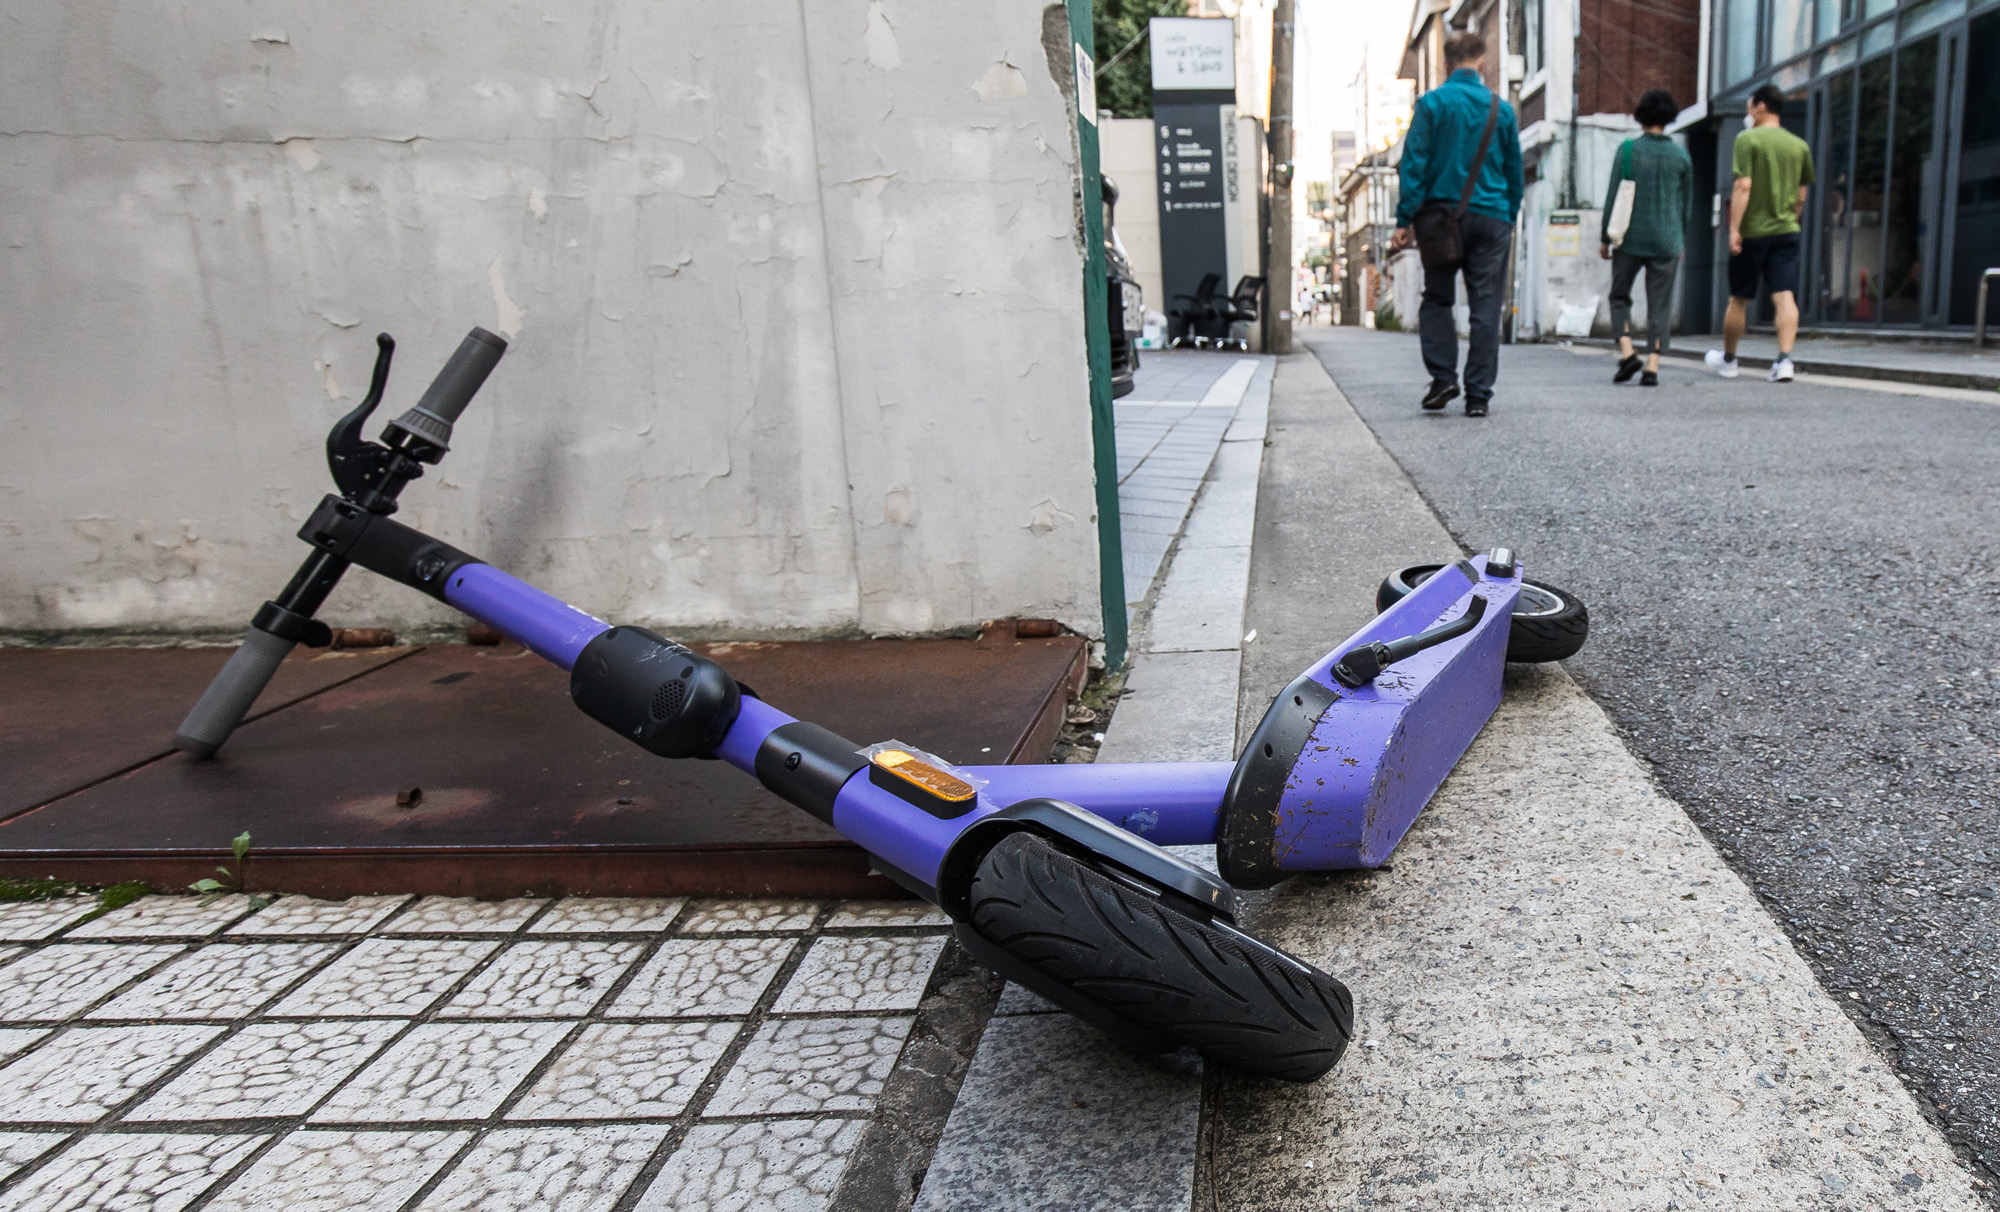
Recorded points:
1086,86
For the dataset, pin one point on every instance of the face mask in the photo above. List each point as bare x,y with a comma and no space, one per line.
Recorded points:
1749,122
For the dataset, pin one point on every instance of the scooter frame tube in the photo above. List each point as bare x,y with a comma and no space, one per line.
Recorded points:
1391,745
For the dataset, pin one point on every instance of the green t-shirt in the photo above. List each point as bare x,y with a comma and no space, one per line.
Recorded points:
1777,163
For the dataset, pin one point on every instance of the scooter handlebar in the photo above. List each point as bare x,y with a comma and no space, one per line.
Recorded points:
430,422
228,698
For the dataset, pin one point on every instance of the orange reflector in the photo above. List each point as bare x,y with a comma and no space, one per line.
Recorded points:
919,773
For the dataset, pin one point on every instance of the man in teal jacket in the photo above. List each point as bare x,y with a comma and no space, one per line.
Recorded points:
1438,152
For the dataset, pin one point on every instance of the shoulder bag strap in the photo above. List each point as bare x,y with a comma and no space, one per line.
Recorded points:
1479,157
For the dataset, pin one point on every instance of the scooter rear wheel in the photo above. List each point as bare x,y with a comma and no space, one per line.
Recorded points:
1549,624
1203,984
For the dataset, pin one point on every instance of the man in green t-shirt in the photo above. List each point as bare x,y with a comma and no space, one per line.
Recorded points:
1773,167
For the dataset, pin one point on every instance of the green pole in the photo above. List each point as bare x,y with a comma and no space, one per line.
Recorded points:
1097,339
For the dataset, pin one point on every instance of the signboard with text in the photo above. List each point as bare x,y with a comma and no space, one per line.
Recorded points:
1195,155
1193,52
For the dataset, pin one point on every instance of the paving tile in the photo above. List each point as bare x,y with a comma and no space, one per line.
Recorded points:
703,976
14,1040
610,915
335,1171
547,1170
87,1071
886,913
861,974
385,976
725,917
166,917
25,921
545,979
60,980
268,1069
304,915
443,1071
463,915
809,1066
627,1070
157,1172
223,980
791,1165
17,1149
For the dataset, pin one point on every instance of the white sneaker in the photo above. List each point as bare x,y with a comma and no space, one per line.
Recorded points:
1781,371
1720,363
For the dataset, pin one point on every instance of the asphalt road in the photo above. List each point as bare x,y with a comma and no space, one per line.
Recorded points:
1795,603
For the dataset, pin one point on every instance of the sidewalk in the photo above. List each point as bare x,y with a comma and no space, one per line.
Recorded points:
1933,363
390,1052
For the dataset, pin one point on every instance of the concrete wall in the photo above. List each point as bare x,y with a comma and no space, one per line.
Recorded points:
794,292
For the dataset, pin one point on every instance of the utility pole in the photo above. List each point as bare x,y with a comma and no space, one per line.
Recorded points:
1278,307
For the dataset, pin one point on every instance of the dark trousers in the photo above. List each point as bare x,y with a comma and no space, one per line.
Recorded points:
1486,242
1660,273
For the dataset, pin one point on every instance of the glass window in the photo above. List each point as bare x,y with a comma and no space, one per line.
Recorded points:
1834,182
1929,15
1871,163
1829,18
1531,40
1913,184
1839,55
1878,38
1739,41
1875,8
1976,244
1791,28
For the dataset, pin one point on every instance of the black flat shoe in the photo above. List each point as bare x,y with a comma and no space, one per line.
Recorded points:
1649,379
1475,408
1627,368
1440,395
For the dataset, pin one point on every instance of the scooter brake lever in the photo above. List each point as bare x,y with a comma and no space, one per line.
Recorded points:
1362,665
358,465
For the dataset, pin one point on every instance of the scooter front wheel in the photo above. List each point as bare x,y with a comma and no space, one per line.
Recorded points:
1201,984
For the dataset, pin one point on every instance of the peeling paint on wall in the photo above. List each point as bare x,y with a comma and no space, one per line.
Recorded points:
1001,82
883,52
509,312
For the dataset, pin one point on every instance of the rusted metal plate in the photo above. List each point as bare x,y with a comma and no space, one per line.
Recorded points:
521,791
72,716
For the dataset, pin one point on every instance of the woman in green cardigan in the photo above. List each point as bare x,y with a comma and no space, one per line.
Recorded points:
1663,181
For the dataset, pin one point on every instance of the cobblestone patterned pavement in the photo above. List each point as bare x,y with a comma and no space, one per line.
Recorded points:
400,1053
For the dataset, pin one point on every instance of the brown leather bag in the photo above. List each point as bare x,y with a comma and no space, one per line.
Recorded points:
1436,224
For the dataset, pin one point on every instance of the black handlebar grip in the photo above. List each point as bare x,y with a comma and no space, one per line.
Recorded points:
430,421
228,698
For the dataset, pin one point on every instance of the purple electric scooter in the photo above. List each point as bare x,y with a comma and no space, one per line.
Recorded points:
1053,875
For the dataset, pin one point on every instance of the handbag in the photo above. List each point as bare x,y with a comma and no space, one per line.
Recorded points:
1436,224
1620,220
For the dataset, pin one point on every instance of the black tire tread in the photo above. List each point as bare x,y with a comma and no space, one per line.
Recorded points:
1162,969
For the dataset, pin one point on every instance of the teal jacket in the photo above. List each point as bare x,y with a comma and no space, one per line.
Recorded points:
1664,180
1444,135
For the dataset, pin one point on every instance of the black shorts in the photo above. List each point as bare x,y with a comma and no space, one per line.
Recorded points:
1775,259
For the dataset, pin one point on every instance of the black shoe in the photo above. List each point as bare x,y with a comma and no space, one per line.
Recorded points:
1627,368
1649,379
1440,395
1475,408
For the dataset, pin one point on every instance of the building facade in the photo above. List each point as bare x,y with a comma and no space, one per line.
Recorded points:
1901,104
